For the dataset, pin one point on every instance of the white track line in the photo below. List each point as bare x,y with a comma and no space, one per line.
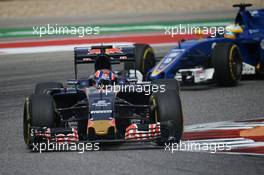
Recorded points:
59,48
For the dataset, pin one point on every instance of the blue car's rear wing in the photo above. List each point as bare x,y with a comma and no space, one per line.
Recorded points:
106,54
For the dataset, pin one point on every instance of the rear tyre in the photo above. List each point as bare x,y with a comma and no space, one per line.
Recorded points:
41,88
168,111
39,111
226,60
144,59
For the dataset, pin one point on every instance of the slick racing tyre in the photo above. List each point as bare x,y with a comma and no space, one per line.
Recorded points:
39,111
169,84
144,59
41,88
167,109
226,60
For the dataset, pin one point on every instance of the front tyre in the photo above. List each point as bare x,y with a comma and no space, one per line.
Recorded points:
167,110
41,88
39,111
227,62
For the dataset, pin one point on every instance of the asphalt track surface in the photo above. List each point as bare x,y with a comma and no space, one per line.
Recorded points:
19,73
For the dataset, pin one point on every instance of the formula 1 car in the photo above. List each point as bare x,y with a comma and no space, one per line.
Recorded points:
221,59
106,107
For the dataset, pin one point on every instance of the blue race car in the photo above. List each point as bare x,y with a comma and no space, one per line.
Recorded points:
222,59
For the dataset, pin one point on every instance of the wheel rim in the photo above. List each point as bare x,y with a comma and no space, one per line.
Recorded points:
26,124
235,63
154,110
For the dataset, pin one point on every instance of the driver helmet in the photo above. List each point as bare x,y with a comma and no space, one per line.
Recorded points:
104,77
232,30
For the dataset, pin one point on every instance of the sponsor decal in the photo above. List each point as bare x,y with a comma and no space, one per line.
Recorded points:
101,111
248,69
101,103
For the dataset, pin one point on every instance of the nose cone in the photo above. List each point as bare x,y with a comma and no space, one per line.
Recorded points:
155,73
101,127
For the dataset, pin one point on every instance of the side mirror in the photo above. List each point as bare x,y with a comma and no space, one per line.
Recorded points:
72,82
